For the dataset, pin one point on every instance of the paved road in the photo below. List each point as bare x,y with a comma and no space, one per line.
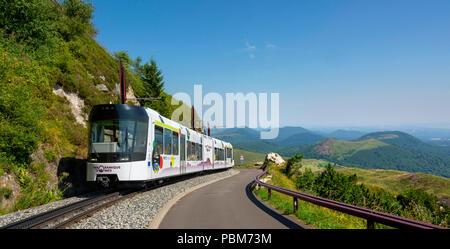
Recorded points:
228,203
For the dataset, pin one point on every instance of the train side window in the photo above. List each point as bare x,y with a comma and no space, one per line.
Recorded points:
141,137
158,150
196,151
167,142
200,152
189,151
175,143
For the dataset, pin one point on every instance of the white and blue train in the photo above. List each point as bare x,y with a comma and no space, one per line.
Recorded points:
136,144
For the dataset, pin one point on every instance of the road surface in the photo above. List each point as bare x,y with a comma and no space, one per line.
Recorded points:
228,203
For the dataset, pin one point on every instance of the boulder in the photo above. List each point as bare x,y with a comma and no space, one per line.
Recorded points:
275,158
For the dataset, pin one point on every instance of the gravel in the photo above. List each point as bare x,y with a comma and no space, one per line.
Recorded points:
138,212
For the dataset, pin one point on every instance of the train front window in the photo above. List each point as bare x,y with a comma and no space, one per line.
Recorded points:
118,140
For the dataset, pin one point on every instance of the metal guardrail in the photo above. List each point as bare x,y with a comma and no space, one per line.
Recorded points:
371,216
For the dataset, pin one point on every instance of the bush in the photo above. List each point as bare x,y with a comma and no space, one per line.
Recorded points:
305,181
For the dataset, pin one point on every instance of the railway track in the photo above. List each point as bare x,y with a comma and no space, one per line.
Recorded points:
65,216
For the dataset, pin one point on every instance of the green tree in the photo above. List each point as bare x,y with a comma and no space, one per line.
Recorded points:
293,163
76,20
153,85
32,21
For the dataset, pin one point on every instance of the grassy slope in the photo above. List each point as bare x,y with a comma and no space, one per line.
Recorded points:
392,180
323,218
250,158
318,217
344,149
374,154
77,64
398,181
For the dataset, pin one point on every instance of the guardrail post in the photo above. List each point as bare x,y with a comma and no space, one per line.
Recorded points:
295,204
269,193
370,224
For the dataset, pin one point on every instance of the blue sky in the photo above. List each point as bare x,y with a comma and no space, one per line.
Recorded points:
336,63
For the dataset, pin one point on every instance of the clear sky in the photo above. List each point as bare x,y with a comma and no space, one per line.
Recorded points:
337,63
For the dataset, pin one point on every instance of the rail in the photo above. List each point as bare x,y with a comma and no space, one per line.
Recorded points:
371,216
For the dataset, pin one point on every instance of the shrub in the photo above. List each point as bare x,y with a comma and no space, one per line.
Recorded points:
305,180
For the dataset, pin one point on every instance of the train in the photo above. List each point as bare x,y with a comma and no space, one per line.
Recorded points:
134,144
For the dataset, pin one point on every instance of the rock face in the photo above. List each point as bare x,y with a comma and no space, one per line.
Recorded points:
102,87
76,104
274,158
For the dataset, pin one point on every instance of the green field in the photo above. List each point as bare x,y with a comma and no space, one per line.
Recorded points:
250,158
399,181
392,180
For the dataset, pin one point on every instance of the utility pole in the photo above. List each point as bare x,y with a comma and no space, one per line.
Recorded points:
123,88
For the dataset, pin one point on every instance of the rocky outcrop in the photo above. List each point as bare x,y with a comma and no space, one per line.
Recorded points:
7,181
274,158
76,104
103,88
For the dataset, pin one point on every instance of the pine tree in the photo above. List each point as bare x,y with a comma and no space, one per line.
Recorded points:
153,84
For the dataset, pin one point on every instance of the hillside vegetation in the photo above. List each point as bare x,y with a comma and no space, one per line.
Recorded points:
47,45
371,153
346,185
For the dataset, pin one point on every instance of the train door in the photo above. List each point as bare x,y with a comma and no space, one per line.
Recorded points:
182,154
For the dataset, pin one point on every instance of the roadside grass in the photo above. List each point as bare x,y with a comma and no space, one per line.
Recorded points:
318,217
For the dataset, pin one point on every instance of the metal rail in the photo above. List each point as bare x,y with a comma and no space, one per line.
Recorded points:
63,217
371,216
53,216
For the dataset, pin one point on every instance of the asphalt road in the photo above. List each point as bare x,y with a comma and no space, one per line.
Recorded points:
228,203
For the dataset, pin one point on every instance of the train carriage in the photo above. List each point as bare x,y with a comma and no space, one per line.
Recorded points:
136,144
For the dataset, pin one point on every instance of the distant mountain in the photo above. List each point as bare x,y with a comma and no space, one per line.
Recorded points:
288,131
346,134
249,139
305,138
378,150
246,139
371,153
404,140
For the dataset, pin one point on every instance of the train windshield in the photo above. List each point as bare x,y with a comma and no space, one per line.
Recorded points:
117,139
124,140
